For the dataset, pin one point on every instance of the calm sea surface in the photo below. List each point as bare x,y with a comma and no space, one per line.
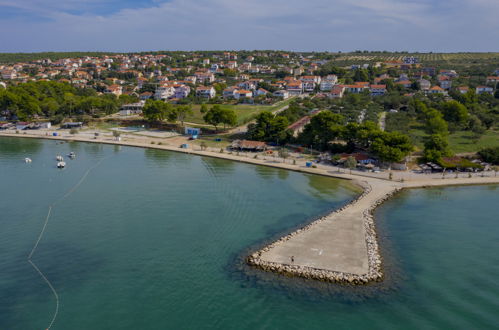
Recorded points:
146,239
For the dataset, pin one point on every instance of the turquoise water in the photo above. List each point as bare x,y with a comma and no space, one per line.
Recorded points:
156,240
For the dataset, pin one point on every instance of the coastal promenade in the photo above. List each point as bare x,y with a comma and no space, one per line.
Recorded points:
340,247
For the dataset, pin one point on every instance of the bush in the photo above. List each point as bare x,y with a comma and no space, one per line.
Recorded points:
73,131
490,155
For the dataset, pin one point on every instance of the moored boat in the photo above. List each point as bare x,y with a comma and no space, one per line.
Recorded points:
61,164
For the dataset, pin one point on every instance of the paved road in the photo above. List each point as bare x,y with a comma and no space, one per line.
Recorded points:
382,121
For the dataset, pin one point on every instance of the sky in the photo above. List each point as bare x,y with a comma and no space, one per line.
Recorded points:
294,25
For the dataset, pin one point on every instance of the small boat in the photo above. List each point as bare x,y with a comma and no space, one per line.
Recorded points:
27,160
61,164
59,158
71,155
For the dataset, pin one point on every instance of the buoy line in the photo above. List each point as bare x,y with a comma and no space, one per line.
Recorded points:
42,232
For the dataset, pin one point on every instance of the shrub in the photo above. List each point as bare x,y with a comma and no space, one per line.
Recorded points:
490,155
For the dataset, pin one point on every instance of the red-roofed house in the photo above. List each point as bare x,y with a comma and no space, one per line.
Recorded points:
492,80
377,90
484,89
437,90
206,92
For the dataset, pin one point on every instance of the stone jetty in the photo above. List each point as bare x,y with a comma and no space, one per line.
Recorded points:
340,247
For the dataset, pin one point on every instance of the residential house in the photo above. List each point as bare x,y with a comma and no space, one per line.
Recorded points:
114,89
191,79
309,82
242,93
214,68
492,79
404,83
294,87
229,92
206,92
411,60
328,82
181,91
429,71
261,91
141,81
448,73
424,84
145,96
248,85
437,90
356,88
164,92
204,77
337,92
377,90
444,81
463,89
132,109
9,74
281,93
231,64
484,89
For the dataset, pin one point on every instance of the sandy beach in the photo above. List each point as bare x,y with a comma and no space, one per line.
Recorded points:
340,247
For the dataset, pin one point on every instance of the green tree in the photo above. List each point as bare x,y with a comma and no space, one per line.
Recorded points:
181,112
229,117
323,129
214,116
269,128
156,110
455,112
350,163
436,147
392,146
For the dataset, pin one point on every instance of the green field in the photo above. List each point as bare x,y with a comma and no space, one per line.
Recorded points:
460,141
244,112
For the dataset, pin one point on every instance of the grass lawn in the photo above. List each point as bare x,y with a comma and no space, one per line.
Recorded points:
463,141
244,112
460,141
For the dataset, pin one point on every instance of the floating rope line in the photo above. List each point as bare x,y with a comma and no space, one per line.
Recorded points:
47,218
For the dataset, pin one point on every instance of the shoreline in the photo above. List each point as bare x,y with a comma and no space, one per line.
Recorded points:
347,235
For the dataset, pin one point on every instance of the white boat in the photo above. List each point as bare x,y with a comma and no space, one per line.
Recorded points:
71,155
61,164
59,158
27,160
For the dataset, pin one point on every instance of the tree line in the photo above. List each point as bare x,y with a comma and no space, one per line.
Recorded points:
56,100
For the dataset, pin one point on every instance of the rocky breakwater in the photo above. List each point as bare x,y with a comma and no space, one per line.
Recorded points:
375,272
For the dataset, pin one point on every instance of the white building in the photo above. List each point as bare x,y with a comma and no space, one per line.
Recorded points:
206,92
484,89
181,91
328,82
281,93
164,92
132,108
